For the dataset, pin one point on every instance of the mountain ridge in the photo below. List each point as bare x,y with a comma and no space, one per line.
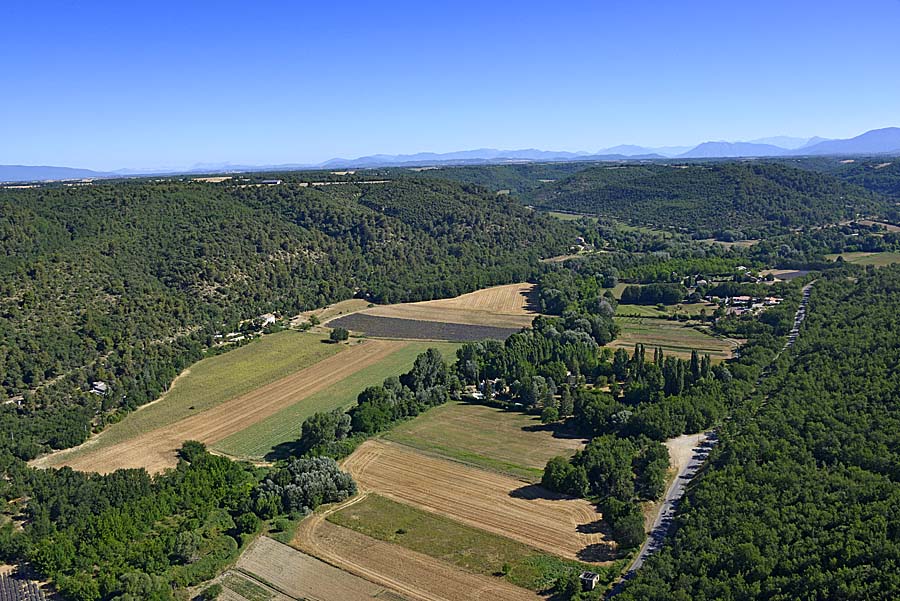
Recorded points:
877,141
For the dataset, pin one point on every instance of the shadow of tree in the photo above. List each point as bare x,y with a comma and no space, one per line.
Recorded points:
599,552
284,450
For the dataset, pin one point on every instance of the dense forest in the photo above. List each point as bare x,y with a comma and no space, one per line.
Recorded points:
747,199
800,500
128,282
726,199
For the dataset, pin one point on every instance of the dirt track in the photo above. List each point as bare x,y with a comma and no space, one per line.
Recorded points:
155,450
492,502
415,576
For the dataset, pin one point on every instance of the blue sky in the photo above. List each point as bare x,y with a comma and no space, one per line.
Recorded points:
108,85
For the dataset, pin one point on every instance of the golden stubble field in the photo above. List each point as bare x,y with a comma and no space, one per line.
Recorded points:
500,306
489,501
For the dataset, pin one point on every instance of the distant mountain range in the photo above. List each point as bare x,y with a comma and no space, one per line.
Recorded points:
876,141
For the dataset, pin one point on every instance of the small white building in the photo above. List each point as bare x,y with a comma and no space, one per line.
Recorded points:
100,387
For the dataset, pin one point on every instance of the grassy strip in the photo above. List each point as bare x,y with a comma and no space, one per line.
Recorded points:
471,549
263,438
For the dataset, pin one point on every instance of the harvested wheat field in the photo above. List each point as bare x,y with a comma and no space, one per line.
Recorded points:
303,577
489,501
415,576
501,306
155,449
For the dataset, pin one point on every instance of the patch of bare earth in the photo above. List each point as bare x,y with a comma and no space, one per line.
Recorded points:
415,576
489,501
156,450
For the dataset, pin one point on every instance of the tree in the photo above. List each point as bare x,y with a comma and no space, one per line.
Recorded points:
339,334
549,415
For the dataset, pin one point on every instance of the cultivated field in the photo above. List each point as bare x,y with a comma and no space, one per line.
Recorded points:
415,576
508,306
301,576
673,337
210,382
409,329
879,259
263,439
488,501
691,309
784,274
155,449
487,437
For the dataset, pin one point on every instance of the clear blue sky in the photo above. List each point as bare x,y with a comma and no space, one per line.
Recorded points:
151,84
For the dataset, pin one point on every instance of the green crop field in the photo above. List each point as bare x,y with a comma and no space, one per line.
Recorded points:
262,438
217,379
879,259
690,309
673,337
486,437
466,547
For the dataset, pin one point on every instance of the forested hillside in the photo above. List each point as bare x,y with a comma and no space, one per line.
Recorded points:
801,498
706,199
128,282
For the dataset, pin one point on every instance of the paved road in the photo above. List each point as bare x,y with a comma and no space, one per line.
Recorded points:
663,523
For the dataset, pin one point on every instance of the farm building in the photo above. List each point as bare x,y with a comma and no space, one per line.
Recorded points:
589,580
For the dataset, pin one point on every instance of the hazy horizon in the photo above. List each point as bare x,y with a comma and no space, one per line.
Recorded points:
111,86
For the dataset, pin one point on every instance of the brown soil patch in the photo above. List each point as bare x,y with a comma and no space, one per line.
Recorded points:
501,306
414,575
492,502
302,577
155,450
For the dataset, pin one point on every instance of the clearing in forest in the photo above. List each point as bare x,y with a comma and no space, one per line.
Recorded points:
155,450
271,438
673,337
509,306
487,437
488,501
